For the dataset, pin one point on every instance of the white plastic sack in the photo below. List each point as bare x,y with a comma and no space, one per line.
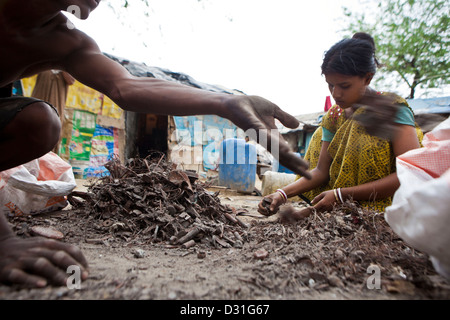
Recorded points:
36,187
420,210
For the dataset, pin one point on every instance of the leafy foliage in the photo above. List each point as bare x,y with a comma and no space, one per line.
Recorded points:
412,38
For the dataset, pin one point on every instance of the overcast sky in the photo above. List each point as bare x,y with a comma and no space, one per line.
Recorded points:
265,47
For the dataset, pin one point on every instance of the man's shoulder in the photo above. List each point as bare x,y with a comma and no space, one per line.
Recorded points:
33,51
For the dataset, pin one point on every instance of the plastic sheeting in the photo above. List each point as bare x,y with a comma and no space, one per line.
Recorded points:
420,210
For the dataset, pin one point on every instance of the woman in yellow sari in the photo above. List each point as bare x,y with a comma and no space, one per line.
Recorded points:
346,161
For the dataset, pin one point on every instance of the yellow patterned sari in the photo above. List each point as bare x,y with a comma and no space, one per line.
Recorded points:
358,157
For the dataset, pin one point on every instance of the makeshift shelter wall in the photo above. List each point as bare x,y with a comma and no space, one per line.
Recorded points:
195,141
93,129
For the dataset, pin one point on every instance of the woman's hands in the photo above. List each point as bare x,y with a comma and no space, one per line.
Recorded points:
271,204
325,201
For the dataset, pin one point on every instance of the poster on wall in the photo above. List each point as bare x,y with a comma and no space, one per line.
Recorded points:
28,85
110,109
104,145
83,98
82,132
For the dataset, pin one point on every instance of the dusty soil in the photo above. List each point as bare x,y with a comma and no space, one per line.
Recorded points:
329,256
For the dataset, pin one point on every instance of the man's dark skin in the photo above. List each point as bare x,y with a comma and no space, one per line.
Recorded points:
34,36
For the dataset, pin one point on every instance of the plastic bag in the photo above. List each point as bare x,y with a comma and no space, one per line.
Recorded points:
36,187
420,210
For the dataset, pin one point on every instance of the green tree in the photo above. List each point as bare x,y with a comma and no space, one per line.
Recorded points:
412,38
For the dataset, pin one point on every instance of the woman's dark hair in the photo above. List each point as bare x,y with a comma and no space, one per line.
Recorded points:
352,57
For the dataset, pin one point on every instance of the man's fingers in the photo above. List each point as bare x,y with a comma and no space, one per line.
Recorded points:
286,119
48,270
22,278
36,262
43,267
296,164
74,252
286,157
279,148
57,264
262,128
34,272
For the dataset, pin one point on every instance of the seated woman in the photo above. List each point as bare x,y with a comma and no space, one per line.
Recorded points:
346,161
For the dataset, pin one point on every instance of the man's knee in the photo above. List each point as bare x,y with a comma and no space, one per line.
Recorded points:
39,123
47,121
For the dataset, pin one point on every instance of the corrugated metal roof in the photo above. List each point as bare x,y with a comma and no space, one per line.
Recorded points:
309,119
432,105
142,70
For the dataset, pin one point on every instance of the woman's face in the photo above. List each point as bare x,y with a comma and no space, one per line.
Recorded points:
347,90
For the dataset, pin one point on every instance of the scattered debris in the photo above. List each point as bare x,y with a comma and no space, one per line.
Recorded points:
400,287
188,244
150,205
336,249
261,254
138,253
47,232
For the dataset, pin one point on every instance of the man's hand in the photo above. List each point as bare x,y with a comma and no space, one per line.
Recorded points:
379,114
36,262
253,112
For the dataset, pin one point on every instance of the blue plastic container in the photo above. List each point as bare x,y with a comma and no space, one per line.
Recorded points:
277,167
237,166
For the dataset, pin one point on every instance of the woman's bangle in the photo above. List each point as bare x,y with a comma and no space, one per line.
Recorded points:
283,194
340,195
335,195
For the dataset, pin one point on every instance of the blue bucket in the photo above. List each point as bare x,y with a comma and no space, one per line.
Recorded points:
237,166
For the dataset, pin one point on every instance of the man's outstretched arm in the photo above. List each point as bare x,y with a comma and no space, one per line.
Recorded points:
149,95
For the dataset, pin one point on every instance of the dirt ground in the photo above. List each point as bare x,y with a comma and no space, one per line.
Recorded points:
326,257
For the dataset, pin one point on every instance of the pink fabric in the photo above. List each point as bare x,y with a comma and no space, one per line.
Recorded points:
434,157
